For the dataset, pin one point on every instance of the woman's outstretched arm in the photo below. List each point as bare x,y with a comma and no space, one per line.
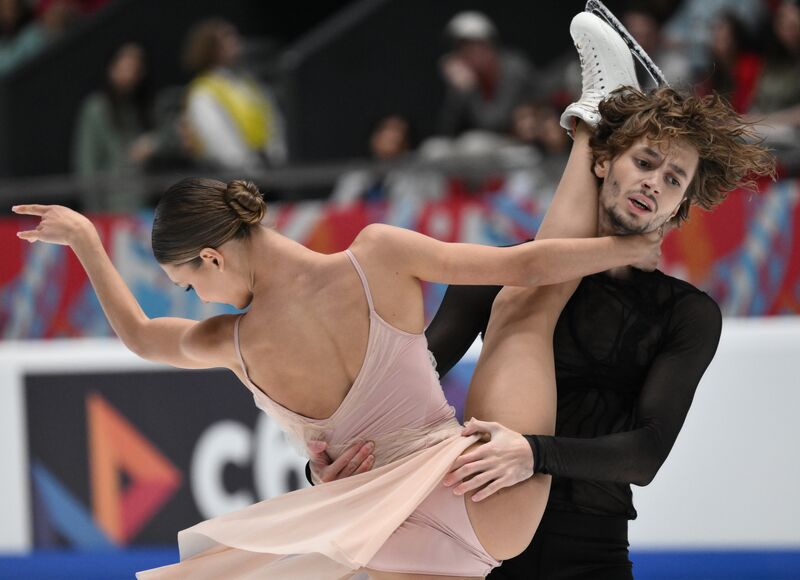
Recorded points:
175,341
540,263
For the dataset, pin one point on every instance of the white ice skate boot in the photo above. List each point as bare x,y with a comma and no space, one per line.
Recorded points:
606,64
598,8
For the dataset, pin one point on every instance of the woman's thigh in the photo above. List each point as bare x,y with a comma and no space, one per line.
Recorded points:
376,575
514,384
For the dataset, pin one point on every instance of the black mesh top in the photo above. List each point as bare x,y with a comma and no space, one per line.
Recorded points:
629,354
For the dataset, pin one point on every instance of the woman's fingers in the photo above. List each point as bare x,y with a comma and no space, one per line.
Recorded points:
30,235
349,462
30,209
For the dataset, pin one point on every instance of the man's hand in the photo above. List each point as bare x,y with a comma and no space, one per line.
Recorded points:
504,461
458,73
358,458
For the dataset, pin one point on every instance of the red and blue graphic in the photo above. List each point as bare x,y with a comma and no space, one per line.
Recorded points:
130,479
746,254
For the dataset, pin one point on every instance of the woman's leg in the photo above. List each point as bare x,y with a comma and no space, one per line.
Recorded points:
375,575
514,381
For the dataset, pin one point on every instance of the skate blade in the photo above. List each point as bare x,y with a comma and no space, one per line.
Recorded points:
599,9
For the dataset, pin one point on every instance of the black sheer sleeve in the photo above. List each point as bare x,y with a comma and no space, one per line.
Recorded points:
636,455
463,314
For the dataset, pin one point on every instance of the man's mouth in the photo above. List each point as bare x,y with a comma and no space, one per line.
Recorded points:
640,204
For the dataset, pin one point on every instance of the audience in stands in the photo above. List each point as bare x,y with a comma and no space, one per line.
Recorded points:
484,82
734,66
396,177
21,36
235,120
644,22
779,83
691,27
498,112
113,133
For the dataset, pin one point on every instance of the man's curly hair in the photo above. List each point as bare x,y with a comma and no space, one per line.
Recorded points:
731,154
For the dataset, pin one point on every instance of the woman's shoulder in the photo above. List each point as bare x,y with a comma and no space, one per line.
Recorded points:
213,339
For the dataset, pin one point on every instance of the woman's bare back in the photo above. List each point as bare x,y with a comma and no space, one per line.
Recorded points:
304,343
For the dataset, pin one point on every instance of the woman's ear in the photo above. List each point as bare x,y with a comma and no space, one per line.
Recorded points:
213,257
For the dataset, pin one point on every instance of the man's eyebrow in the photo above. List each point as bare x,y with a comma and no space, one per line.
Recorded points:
651,152
679,170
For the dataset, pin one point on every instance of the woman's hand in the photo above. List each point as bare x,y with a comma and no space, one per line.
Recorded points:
507,459
649,250
58,224
358,458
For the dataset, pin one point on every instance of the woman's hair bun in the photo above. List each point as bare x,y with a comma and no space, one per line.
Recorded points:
245,199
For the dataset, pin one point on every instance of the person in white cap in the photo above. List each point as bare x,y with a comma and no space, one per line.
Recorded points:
484,82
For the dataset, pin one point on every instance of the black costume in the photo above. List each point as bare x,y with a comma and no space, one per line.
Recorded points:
629,353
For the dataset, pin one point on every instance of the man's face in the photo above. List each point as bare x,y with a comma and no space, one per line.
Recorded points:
644,186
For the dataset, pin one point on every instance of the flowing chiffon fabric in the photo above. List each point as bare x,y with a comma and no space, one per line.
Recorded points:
332,530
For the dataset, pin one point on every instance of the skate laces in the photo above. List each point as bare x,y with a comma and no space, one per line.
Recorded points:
592,84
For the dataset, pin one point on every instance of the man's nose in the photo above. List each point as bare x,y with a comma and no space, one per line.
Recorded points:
649,184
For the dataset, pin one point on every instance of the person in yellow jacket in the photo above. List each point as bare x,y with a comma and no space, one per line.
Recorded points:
235,121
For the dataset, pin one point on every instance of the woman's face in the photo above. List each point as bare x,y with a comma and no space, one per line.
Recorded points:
723,42
787,25
230,46
127,69
216,279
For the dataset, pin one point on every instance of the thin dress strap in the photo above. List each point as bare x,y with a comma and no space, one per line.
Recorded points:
238,349
363,279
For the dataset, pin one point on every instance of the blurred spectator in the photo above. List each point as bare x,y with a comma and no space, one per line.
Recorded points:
644,24
483,81
20,36
81,6
176,142
735,66
776,104
111,136
538,170
690,28
402,181
537,124
390,140
779,83
235,120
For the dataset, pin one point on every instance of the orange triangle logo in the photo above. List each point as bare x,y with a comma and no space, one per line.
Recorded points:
116,447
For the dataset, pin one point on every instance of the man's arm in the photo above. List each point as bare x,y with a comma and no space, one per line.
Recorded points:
461,317
634,456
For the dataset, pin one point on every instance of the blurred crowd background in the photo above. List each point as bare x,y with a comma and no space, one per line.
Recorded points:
103,102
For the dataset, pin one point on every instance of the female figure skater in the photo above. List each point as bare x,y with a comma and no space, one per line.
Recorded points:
332,347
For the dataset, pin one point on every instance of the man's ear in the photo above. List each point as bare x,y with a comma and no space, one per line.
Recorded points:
683,204
601,167
213,257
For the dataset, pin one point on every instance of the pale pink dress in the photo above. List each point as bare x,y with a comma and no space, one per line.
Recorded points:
396,517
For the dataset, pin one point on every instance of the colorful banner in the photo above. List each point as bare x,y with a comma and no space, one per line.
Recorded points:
746,254
131,457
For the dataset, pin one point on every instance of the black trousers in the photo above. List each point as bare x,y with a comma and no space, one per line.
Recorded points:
570,546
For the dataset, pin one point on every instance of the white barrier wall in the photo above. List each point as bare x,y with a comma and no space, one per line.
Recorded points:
731,481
